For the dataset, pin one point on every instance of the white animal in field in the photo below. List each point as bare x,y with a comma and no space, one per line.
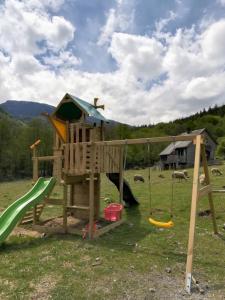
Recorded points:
179,175
185,173
202,179
216,171
138,177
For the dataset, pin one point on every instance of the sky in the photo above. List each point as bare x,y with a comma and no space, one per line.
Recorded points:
148,61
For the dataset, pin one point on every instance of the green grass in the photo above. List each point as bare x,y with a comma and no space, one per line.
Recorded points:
133,257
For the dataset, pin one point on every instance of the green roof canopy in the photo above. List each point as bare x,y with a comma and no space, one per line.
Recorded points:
71,108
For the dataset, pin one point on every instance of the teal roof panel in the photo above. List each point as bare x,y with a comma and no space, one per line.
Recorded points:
90,110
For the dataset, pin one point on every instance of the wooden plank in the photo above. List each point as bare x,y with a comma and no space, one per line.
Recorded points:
72,193
207,180
98,158
83,134
195,188
91,194
77,161
121,171
72,207
54,201
65,198
107,228
84,158
66,157
105,159
205,191
35,219
101,159
35,169
160,139
72,133
46,158
72,158
218,191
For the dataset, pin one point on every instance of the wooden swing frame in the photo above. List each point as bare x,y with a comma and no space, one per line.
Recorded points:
197,192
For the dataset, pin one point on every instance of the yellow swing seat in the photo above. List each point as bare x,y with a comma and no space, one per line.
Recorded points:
168,224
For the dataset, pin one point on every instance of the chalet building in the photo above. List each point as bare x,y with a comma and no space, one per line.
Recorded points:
181,154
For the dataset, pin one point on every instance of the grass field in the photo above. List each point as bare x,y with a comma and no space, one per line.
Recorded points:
135,261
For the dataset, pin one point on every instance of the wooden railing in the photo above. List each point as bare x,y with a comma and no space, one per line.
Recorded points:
77,158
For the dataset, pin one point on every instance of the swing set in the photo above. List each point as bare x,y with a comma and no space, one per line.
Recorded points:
197,191
152,221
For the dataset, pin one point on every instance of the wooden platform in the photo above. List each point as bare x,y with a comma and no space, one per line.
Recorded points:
75,226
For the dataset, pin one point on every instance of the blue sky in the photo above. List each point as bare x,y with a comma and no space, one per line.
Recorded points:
149,61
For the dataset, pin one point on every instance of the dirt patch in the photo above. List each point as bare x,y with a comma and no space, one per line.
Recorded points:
152,286
56,222
19,231
42,290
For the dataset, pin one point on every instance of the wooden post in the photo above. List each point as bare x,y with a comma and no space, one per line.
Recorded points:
207,180
194,200
91,193
121,174
65,195
35,219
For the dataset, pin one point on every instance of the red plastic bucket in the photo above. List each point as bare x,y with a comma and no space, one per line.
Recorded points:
113,212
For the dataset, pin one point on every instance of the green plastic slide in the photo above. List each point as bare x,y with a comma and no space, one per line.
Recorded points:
15,212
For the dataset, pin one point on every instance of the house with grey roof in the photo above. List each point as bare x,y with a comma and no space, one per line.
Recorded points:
181,154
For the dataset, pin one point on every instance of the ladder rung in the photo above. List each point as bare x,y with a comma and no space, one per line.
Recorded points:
78,207
95,178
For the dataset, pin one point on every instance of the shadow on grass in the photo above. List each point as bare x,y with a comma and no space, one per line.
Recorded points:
123,238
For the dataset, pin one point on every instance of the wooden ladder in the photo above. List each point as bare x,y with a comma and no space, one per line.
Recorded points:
33,214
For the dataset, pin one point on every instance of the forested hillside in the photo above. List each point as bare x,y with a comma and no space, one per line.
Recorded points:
16,136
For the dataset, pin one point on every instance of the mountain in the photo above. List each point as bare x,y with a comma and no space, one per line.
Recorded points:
25,110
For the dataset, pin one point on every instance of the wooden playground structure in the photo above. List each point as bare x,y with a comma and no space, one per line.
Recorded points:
81,155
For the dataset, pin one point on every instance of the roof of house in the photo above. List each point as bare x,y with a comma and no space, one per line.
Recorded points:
71,108
183,144
171,147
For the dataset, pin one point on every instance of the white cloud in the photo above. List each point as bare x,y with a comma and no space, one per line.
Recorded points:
64,59
158,77
213,43
137,56
222,2
120,19
205,87
24,29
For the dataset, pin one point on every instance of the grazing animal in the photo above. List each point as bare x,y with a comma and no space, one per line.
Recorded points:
216,171
161,176
185,173
202,179
138,177
179,175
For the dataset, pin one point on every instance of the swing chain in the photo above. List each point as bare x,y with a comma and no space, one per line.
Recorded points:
149,177
173,179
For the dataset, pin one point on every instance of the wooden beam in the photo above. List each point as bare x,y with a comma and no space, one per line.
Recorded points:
121,174
195,188
160,139
218,191
54,201
205,191
107,228
207,180
73,207
65,200
91,194
46,158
